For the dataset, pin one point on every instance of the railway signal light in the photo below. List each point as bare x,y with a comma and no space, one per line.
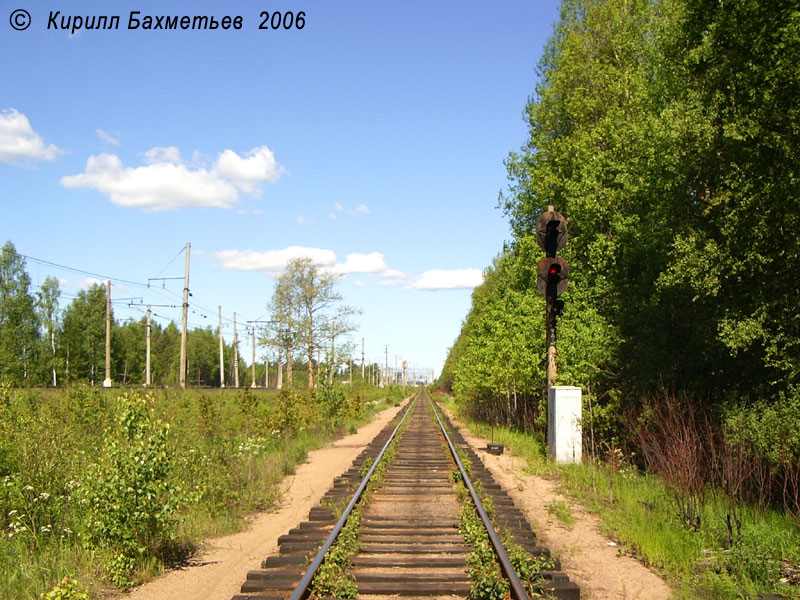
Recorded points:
553,276
551,232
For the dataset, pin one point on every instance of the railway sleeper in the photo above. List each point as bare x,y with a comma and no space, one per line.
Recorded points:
430,555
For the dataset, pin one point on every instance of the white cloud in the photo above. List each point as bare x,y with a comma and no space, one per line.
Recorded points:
393,274
107,137
18,140
363,263
372,264
159,155
338,208
246,173
301,220
440,279
156,187
167,183
272,261
83,284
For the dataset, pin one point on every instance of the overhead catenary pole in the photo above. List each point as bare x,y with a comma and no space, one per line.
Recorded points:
182,379
107,380
221,352
333,354
279,374
386,366
147,380
253,358
235,355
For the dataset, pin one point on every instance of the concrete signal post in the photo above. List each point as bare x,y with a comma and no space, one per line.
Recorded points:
564,403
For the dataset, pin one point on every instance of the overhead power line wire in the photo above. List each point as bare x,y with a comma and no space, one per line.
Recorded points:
74,270
181,251
163,292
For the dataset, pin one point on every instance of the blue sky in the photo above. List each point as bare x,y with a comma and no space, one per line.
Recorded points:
372,140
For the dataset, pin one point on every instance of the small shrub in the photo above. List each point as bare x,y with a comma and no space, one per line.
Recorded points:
131,502
66,589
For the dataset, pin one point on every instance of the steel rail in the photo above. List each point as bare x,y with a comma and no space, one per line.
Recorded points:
517,591
305,582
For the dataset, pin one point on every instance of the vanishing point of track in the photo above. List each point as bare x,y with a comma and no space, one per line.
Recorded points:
410,544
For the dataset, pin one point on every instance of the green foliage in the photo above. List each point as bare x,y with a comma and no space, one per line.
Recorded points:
333,578
19,340
93,482
331,398
84,335
638,511
306,310
291,412
488,582
66,589
666,133
498,359
770,428
131,502
562,512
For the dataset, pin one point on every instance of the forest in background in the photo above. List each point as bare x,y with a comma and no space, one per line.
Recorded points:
666,132
42,344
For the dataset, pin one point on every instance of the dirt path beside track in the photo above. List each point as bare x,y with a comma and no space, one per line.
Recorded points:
218,572
589,558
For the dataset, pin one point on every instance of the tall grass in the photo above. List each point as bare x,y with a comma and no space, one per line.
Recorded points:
110,487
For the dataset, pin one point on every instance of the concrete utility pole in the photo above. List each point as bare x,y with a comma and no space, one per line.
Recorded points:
253,360
221,352
386,366
235,355
107,380
362,358
147,380
182,380
333,354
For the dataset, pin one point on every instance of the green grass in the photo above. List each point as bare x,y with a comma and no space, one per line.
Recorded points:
561,511
640,512
85,475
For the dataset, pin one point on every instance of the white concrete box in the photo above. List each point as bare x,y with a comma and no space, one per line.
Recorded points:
564,436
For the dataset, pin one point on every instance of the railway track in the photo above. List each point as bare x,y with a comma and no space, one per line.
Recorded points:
409,526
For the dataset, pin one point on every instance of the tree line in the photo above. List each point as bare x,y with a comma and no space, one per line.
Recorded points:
42,344
667,132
